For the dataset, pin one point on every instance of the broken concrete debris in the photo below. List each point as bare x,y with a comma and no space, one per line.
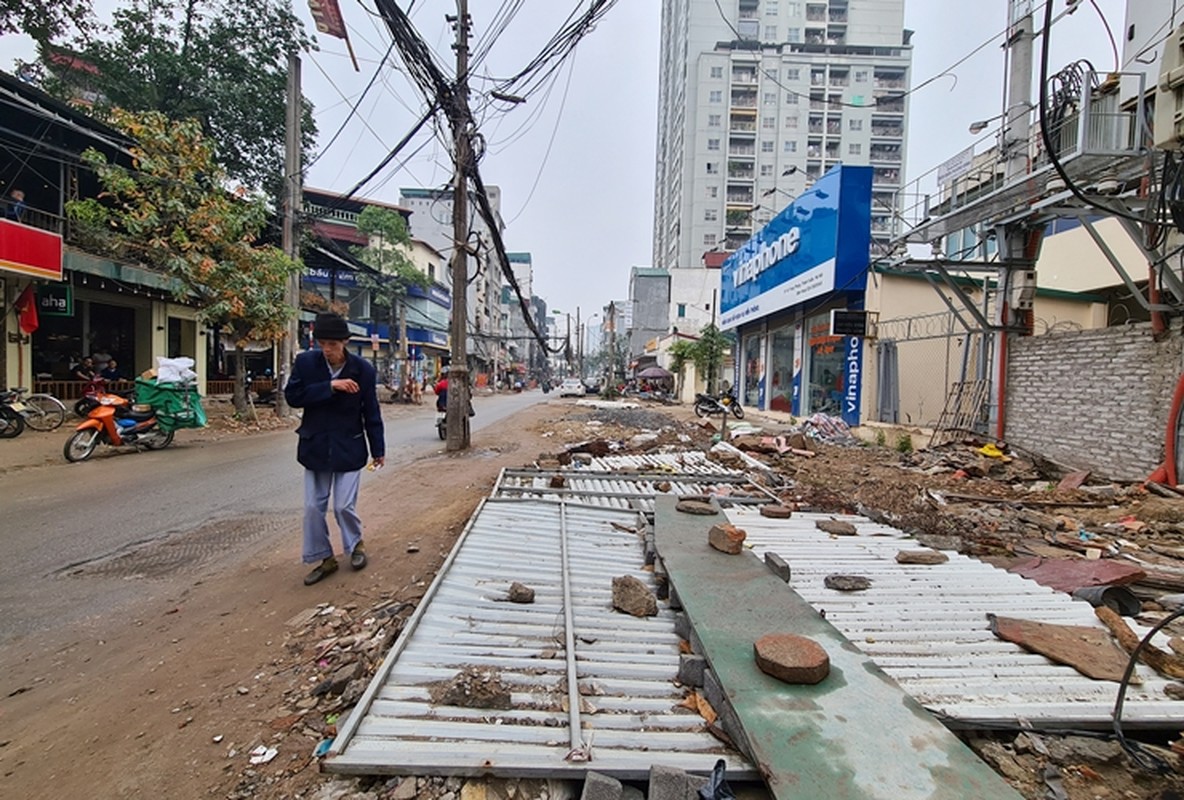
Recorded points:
520,593
836,527
633,597
700,507
776,511
923,556
791,658
847,583
727,538
473,688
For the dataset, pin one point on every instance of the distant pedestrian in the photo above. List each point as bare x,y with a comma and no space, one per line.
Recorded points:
337,391
14,207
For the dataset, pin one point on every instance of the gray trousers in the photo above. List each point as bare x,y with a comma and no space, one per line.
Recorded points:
317,488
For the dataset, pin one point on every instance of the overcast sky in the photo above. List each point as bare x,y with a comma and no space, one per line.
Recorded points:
576,164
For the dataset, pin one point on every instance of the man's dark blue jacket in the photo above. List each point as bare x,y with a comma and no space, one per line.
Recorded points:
334,424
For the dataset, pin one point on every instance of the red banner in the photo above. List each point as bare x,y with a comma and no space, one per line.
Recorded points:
327,15
30,251
26,309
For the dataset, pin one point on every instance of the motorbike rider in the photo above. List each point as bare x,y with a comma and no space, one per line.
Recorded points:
442,392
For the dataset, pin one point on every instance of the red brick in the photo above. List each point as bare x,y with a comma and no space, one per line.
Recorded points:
726,538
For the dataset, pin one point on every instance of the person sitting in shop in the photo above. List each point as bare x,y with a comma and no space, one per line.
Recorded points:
111,371
84,370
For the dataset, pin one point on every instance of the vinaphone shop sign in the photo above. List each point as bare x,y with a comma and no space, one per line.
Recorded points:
817,244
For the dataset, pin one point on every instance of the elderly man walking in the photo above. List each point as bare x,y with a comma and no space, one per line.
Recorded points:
337,391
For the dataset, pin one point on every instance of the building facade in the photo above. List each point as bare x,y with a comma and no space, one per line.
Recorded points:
760,98
431,221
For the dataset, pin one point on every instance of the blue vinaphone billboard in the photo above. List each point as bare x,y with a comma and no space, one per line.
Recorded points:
818,243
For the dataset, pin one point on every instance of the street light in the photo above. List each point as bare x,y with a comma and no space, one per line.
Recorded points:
981,125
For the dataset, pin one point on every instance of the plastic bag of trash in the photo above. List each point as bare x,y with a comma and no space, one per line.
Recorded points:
175,370
717,787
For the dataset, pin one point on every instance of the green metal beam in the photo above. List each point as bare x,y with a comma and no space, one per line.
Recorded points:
854,735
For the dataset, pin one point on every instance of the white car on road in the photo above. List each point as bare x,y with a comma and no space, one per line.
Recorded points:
571,387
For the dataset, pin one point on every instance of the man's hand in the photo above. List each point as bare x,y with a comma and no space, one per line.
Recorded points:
347,385
378,463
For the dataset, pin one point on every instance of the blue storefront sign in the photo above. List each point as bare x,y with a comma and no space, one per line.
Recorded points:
437,295
853,365
819,243
321,276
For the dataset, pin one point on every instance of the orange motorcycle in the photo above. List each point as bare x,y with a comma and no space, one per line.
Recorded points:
115,420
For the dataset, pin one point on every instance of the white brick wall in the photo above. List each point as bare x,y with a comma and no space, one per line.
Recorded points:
1094,399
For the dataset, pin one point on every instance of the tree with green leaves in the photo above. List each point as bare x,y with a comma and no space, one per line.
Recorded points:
709,354
221,62
171,213
387,252
44,19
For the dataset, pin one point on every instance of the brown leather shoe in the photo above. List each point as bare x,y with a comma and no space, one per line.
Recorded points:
322,570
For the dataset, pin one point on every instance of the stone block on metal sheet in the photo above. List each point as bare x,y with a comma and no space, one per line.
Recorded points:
671,783
776,511
836,527
690,669
700,507
520,593
727,538
633,597
791,658
778,566
600,787
929,557
846,583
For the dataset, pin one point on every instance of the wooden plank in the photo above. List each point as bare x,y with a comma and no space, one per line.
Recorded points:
854,735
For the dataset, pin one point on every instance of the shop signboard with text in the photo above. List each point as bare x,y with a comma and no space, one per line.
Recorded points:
818,244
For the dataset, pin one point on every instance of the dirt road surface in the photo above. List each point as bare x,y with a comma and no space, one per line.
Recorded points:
129,704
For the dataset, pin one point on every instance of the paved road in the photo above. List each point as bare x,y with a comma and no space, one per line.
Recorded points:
92,518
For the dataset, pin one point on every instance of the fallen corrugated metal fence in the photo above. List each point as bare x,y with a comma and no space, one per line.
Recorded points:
926,626
591,688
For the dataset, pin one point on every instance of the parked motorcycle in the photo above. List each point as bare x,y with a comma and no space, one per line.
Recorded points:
113,419
707,405
11,423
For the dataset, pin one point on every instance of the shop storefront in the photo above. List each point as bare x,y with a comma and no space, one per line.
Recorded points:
777,292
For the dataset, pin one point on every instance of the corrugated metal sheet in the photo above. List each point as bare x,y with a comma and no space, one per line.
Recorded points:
691,462
624,666
926,626
620,490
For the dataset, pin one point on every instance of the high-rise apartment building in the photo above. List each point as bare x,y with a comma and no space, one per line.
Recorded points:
758,99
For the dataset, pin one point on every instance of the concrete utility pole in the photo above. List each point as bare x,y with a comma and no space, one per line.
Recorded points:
458,111
1018,248
293,184
612,344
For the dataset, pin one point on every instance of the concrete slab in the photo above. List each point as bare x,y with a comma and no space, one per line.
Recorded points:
854,735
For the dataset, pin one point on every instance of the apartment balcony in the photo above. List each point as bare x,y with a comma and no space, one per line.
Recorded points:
836,37
837,16
817,105
889,155
834,127
817,79
744,76
888,176
740,198
839,81
815,127
895,131
744,102
813,152
742,127
745,150
889,106
815,14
